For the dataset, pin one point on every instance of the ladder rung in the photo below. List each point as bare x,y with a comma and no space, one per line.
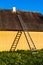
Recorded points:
18,36
16,40
14,46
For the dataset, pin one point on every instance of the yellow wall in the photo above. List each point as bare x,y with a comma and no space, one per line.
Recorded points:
7,37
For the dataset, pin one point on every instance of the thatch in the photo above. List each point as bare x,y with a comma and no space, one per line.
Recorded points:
9,21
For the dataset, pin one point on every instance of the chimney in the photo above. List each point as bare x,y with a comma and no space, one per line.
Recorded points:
14,9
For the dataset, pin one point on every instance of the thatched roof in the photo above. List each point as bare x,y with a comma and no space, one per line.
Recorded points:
10,21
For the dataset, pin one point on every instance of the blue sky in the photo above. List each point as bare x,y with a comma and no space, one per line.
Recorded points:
27,5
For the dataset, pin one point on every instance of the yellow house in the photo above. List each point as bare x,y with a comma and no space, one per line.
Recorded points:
27,25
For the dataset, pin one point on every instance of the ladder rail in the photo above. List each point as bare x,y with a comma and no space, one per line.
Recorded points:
27,41
32,40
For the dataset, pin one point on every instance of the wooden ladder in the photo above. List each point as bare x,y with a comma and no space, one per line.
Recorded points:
16,40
